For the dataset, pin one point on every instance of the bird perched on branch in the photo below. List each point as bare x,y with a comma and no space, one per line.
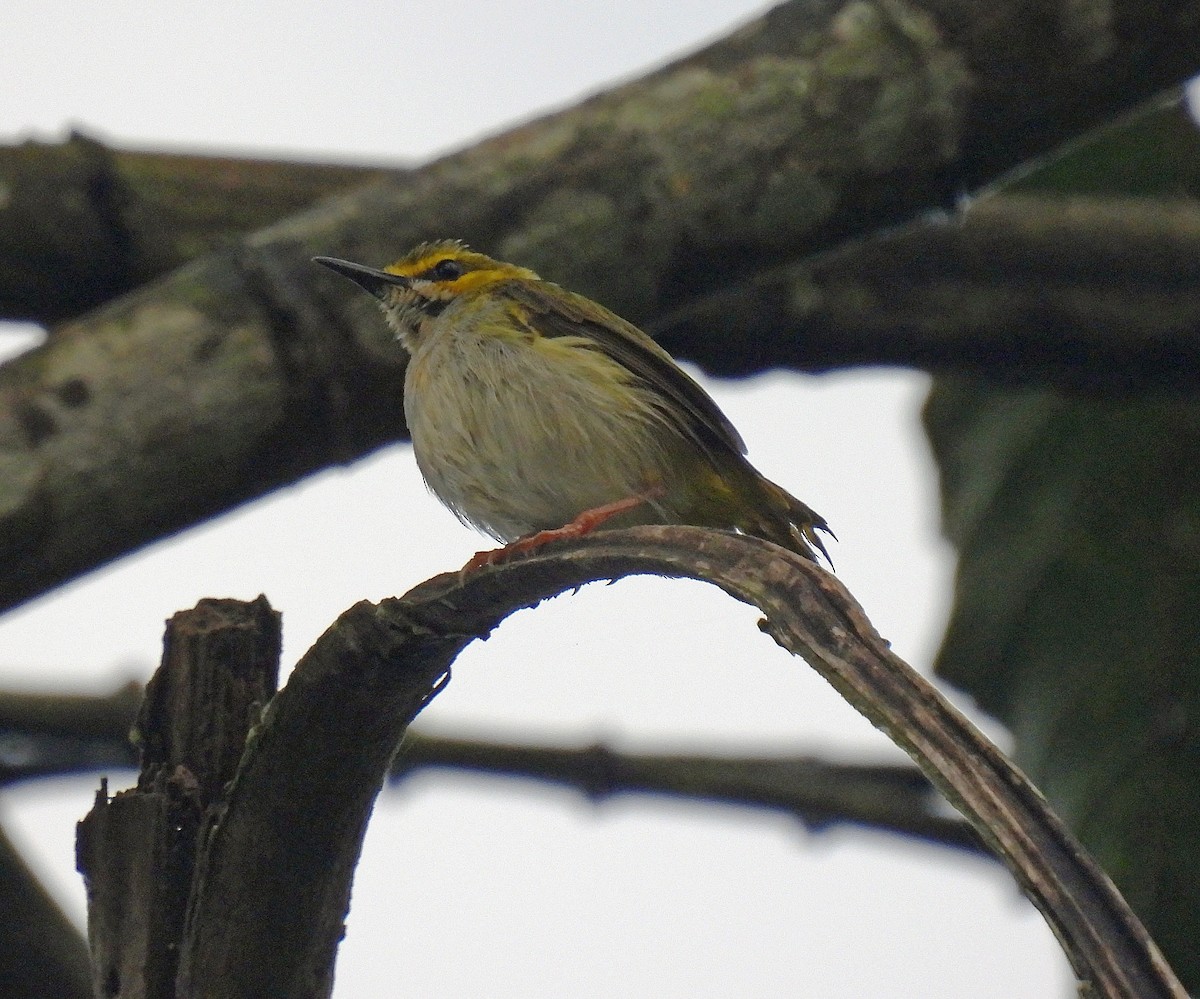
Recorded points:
537,414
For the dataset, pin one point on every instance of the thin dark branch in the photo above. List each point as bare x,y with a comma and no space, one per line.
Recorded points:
53,735
819,793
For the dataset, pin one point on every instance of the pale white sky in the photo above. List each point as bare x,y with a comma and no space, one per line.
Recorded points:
471,887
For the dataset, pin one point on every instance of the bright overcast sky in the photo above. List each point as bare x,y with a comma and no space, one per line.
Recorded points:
471,887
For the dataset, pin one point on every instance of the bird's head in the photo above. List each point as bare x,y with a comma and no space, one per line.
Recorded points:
425,281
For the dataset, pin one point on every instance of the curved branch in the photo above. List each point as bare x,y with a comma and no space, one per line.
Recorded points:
271,894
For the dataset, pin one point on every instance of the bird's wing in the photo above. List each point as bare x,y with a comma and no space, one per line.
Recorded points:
554,312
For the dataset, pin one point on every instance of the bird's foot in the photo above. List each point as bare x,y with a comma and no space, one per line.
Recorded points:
583,524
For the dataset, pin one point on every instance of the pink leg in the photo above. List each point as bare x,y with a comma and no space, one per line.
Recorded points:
585,523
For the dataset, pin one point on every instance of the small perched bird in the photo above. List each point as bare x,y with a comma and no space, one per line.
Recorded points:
536,413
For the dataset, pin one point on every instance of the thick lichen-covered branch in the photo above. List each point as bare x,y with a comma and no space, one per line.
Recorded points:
247,369
82,222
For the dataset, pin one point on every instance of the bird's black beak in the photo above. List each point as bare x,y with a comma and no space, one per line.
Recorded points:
369,279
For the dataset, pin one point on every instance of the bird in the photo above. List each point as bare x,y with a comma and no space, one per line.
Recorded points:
537,414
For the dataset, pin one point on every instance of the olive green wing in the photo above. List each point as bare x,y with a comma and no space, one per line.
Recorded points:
553,312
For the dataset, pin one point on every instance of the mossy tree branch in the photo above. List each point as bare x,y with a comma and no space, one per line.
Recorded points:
816,123
83,222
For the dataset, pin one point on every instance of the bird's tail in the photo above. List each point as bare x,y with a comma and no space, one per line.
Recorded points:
796,525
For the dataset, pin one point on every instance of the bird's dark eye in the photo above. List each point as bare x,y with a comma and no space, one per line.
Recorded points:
446,270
